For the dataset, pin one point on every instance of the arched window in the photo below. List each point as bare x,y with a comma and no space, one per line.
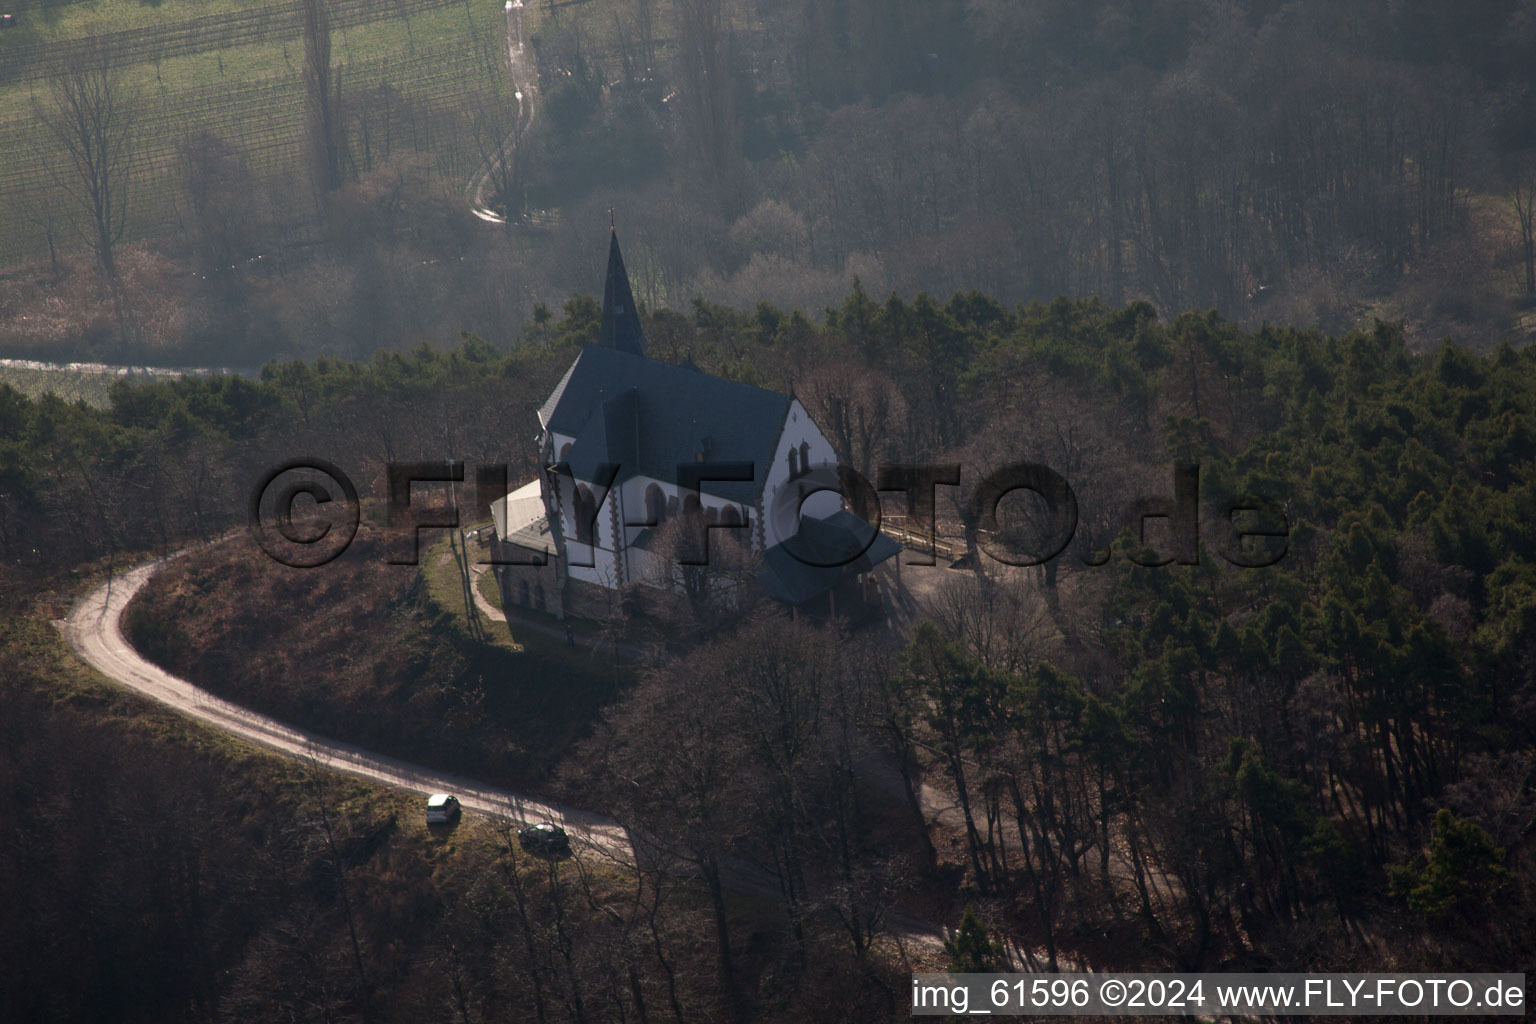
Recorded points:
691,506
805,457
565,450
585,511
729,516
538,597
526,594
655,505
794,461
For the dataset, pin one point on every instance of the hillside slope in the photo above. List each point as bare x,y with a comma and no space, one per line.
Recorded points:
356,650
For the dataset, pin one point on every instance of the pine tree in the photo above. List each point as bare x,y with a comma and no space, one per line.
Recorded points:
971,950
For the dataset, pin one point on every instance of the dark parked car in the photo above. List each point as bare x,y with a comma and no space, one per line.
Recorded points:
545,840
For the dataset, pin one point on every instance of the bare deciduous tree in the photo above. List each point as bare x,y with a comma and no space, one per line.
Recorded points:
645,32
999,622
46,217
704,74
325,807
675,763
92,114
220,211
709,568
857,406
1522,192
1066,433
322,86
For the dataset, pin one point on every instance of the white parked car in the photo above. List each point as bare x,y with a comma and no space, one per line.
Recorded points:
442,808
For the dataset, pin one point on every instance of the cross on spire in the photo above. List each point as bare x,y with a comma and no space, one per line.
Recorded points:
621,320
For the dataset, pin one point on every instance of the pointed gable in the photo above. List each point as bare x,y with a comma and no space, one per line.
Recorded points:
621,320
648,417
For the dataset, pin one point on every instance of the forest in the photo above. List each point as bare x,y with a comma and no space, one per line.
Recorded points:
1313,162
1287,246
1325,764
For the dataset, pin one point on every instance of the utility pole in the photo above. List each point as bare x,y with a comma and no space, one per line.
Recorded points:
460,551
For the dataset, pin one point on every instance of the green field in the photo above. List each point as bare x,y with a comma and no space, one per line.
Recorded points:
533,633
87,386
235,68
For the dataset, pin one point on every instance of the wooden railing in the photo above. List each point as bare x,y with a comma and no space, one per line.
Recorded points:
895,527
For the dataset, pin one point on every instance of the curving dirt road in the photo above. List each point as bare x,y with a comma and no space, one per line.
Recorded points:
94,630
523,89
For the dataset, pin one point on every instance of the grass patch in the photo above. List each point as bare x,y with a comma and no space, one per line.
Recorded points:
235,68
486,584
250,93
526,631
441,574
50,22
70,385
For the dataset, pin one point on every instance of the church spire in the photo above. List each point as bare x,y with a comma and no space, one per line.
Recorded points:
621,320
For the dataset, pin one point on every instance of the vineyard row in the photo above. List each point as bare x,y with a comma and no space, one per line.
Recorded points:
35,60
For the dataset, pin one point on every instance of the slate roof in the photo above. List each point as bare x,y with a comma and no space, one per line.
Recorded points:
519,518
840,538
647,417
547,410
621,320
